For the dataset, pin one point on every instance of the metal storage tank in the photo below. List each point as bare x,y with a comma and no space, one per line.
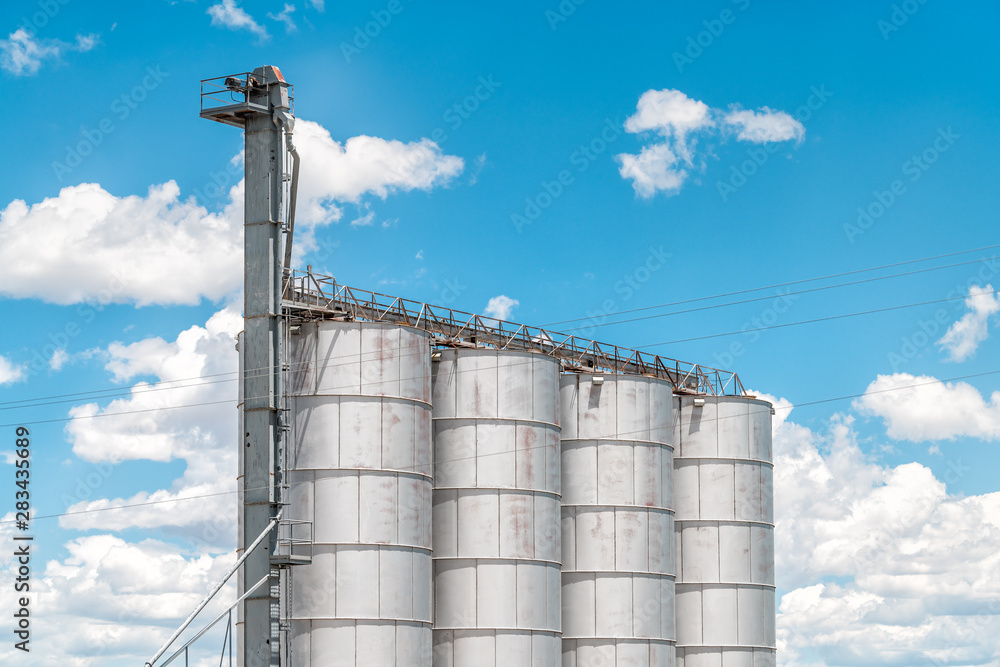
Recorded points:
359,467
724,532
617,521
496,509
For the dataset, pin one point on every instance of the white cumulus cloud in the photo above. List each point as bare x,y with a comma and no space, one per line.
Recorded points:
920,408
285,16
162,249
23,54
964,336
880,563
58,359
670,113
9,373
344,172
500,307
228,14
664,165
112,602
197,370
655,168
100,247
765,125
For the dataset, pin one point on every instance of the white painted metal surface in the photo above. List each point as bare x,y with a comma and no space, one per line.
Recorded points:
359,468
617,521
724,533
496,509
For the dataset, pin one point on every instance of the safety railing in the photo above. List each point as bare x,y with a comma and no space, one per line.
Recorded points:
226,99
294,545
309,296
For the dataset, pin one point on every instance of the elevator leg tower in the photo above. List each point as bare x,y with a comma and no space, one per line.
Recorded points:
260,103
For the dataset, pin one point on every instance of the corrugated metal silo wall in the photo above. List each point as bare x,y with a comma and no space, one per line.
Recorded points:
725,533
617,522
496,509
360,468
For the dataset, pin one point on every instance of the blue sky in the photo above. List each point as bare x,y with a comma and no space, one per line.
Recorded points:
576,159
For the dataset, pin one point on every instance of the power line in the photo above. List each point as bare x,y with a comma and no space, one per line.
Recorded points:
478,456
786,294
813,321
97,394
637,347
786,284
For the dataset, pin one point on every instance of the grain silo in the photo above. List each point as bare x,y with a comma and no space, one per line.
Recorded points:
617,521
725,532
496,509
422,487
358,469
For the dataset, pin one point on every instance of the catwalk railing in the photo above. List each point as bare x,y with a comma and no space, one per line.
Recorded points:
310,296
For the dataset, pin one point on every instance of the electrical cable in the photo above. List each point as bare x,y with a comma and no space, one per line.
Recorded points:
130,392
786,284
617,435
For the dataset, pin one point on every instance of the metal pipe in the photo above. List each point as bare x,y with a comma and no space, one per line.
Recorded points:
227,612
225,637
283,119
218,587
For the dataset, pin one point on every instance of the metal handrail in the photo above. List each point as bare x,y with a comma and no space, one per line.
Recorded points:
216,90
308,295
289,540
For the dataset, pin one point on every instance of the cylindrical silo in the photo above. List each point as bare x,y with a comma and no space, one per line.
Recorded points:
496,509
724,532
617,521
359,468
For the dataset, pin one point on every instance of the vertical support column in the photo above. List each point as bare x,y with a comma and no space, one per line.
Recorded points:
260,346
724,533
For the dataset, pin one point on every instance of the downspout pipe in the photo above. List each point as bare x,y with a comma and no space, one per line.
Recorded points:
286,121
